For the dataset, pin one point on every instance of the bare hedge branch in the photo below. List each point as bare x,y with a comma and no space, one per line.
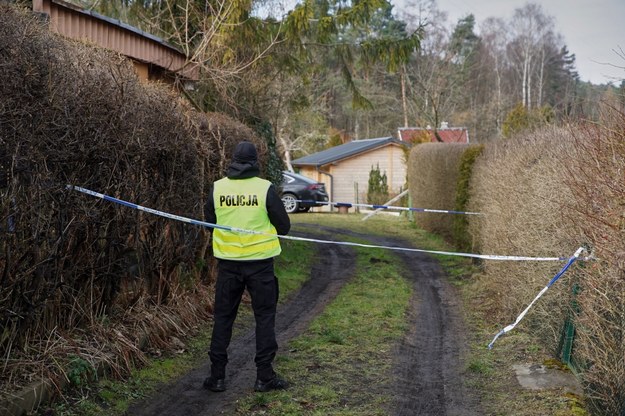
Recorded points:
71,264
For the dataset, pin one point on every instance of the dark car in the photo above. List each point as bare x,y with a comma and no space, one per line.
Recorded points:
300,193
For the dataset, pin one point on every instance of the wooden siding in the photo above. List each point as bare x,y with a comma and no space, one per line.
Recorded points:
347,172
73,22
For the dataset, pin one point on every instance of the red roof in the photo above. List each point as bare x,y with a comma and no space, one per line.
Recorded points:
447,135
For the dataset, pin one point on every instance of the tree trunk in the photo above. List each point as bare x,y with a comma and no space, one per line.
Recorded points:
524,85
402,78
529,81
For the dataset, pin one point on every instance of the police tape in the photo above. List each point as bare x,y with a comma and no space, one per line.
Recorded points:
551,282
391,207
287,237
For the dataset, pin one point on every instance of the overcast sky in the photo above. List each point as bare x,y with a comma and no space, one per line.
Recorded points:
592,29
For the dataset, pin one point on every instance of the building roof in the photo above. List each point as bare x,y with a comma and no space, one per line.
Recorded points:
334,154
77,23
447,134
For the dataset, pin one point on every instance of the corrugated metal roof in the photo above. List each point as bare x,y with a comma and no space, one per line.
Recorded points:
344,151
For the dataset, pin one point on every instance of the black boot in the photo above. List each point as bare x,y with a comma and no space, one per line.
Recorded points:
275,383
215,384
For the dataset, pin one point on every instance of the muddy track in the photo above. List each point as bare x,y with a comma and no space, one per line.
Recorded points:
332,267
428,363
428,366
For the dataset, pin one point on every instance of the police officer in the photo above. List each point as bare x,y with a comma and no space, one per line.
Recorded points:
243,200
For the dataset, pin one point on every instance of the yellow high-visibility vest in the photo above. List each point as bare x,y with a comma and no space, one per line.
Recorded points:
241,203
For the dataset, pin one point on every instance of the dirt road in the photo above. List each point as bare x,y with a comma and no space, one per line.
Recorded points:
428,365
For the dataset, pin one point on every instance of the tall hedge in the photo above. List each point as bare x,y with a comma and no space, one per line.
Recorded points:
434,173
461,235
517,185
73,114
545,194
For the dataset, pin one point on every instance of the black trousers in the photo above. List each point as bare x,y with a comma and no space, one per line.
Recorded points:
261,283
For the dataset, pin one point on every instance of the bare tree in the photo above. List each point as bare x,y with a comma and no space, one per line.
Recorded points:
532,30
494,41
430,88
415,79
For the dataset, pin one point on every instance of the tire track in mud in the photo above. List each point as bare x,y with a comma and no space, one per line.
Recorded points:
332,267
428,361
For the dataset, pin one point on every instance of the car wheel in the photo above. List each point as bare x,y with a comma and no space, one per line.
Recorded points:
290,203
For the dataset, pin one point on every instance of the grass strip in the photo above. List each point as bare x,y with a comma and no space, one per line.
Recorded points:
340,366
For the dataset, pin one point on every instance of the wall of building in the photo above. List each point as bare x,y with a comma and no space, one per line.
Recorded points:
69,20
355,170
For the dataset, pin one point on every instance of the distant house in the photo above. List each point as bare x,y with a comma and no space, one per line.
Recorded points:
152,57
345,168
446,134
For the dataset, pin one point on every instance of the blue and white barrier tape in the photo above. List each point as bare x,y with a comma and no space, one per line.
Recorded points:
346,243
373,206
551,282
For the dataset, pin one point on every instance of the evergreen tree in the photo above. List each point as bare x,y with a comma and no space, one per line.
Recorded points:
377,191
520,119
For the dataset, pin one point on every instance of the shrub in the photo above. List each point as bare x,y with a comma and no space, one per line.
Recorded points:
595,177
377,191
433,173
521,119
544,194
461,237
517,185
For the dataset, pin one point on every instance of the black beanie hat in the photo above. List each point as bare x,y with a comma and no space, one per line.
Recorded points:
245,152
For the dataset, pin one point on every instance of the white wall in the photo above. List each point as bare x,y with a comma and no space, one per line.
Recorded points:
347,172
